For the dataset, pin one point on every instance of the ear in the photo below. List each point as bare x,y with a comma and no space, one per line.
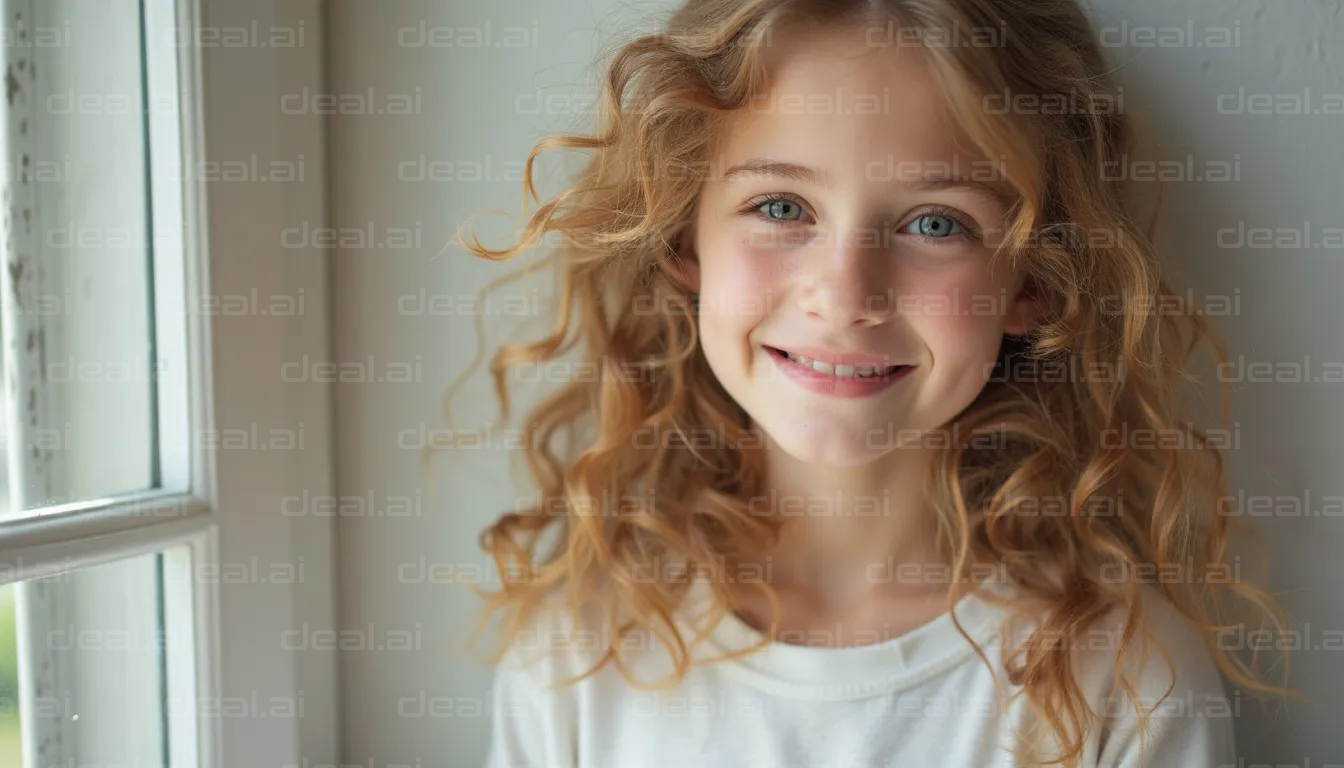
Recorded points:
1027,309
683,263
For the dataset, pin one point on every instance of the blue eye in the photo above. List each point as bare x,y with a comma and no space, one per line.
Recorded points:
781,209
935,226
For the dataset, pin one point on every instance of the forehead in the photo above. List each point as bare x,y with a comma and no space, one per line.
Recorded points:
836,102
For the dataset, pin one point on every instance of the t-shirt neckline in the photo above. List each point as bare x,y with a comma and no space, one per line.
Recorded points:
847,672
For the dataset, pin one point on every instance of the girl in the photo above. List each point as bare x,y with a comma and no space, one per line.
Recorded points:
875,451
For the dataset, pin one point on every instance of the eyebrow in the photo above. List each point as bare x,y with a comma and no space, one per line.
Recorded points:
997,194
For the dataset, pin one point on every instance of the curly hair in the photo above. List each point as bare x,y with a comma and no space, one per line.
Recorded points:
616,232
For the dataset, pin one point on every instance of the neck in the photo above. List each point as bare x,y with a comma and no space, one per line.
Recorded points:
853,522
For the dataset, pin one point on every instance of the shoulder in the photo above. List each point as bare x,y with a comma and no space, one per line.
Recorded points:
535,712
543,714
553,645
1175,683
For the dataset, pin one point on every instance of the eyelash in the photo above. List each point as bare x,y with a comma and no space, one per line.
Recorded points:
969,233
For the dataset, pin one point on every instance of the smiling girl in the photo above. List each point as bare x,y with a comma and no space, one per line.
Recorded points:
846,489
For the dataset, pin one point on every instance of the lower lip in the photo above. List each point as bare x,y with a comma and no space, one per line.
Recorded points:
836,386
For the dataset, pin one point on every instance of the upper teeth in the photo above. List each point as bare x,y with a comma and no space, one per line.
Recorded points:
845,371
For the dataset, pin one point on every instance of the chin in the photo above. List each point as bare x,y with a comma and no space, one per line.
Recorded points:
832,445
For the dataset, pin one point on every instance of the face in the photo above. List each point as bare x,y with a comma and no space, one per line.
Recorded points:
846,219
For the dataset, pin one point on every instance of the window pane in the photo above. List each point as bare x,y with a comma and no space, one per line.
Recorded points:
84,669
11,748
77,313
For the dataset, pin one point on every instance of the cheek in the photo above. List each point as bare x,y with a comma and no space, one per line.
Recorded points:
958,312
737,286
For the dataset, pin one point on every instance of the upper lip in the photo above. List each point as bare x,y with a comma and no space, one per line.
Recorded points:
850,357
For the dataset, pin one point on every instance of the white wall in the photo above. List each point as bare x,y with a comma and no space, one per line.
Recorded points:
477,108
1285,341
477,105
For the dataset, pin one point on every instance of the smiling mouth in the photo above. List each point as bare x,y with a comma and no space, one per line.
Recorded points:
838,371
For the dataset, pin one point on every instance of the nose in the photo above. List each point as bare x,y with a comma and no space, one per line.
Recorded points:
849,284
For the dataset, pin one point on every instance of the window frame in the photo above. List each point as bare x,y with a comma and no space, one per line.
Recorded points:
225,639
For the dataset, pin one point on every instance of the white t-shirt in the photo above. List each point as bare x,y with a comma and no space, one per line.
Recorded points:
923,698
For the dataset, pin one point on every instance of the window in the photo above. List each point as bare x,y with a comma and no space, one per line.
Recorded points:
87,665
141,620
